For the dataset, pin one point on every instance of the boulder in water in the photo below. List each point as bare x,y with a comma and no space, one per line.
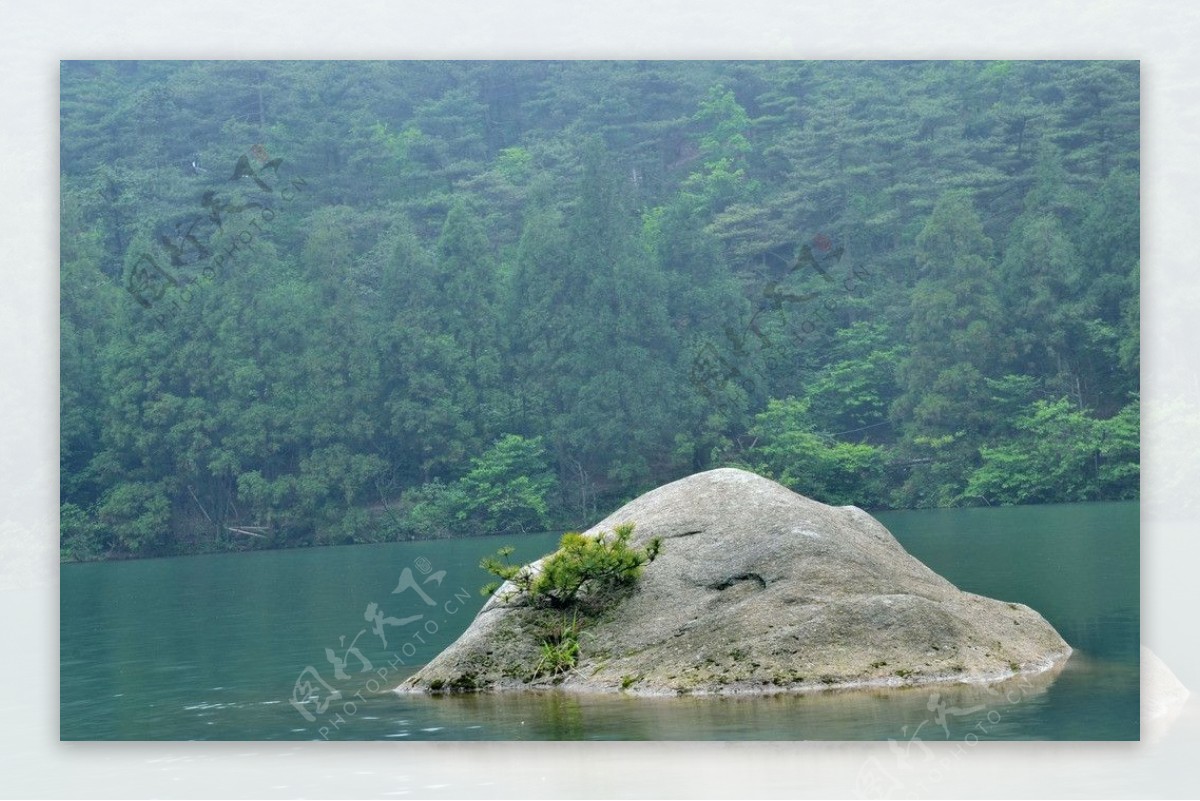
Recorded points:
756,589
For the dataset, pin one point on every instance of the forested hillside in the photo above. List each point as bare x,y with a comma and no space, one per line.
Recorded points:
333,302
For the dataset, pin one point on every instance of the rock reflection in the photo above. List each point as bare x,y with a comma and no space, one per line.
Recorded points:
932,712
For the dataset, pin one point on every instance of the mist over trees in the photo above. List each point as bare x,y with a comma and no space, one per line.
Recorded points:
331,302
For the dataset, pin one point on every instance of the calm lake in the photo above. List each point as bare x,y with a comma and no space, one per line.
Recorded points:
212,647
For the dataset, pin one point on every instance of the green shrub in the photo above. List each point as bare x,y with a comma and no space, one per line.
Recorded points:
594,566
506,490
791,451
583,568
1061,453
137,513
79,536
560,651
434,510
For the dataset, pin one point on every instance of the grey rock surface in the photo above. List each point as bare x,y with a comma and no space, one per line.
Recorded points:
757,590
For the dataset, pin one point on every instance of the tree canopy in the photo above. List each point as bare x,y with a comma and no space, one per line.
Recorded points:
331,302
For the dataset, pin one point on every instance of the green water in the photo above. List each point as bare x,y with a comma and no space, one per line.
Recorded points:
211,647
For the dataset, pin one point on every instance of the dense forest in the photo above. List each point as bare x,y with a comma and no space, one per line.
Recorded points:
333,302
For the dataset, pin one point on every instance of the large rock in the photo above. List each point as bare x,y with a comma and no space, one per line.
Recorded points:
758,589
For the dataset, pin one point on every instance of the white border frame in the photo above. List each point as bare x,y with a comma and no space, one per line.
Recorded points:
34,37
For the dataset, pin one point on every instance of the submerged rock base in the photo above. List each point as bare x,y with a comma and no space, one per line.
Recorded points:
756,590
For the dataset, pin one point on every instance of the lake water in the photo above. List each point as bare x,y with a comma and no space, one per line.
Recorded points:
212,647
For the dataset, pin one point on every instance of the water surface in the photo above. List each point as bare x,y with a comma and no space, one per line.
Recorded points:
212,647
